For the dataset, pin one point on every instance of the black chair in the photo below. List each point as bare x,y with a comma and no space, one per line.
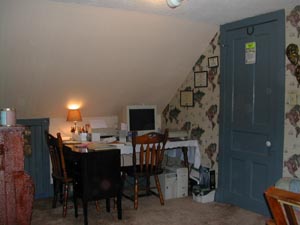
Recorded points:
147,157
61,180
97,176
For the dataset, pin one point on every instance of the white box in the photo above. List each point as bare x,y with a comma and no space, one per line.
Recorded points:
168,184
173,182
210,197
182,180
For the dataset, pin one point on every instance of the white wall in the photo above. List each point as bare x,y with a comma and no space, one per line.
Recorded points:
54,53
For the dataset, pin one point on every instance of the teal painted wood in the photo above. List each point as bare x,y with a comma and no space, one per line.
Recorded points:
38,164
251,110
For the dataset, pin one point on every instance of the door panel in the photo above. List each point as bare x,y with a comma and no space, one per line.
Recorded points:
37,163
252,110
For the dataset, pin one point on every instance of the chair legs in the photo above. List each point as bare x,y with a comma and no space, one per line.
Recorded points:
136,192
55,192
85,207
118,202
65,199
161,197
63,195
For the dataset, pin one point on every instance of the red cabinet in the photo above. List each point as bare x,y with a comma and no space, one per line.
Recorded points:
16,187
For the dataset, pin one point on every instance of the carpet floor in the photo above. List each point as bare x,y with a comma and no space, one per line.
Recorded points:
175,212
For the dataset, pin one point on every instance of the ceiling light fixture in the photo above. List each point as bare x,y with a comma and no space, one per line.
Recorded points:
174,3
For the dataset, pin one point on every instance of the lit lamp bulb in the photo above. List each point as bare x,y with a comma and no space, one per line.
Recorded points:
174,3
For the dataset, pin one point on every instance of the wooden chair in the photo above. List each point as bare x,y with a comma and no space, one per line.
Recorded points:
147,162
284,205
61,180
97,176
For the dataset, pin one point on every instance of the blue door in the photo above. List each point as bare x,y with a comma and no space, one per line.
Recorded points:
252,109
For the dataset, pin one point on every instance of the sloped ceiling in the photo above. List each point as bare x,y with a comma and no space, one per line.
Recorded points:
104,55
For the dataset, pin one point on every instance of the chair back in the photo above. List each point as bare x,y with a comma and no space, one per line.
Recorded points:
149,149
284,206
55,146
61,154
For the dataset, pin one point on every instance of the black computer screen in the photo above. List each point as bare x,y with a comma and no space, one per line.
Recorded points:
141,119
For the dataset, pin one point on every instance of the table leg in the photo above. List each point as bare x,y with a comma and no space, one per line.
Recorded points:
185,157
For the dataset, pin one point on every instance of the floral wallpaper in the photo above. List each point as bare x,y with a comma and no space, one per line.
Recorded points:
201,120
291,155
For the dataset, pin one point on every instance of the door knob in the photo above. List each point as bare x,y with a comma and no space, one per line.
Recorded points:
268,144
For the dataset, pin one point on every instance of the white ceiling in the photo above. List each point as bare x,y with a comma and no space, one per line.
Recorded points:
212,11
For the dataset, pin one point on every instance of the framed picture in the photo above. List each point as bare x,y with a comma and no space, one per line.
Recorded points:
187,98
200,79
213,61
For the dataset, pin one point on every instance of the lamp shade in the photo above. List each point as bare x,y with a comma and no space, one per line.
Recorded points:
74,115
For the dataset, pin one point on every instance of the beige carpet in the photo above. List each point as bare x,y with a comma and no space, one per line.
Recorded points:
175,212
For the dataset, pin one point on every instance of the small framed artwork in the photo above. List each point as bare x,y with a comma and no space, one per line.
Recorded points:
187,98
213,61
200,79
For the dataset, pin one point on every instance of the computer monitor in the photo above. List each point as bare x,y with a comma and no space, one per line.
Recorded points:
141,118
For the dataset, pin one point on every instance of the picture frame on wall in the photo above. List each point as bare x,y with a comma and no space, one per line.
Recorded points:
200,79
213,61
186,98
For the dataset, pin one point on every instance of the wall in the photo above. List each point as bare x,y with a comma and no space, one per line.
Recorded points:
291,153
53,54
59,124
202,119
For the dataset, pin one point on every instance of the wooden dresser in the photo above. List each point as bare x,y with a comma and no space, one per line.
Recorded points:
16,187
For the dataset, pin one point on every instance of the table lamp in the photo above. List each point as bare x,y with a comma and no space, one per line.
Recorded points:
74,115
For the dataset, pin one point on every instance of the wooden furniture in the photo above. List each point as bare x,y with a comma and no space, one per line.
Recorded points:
96,176
147,162
284,206
16,186
61,180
